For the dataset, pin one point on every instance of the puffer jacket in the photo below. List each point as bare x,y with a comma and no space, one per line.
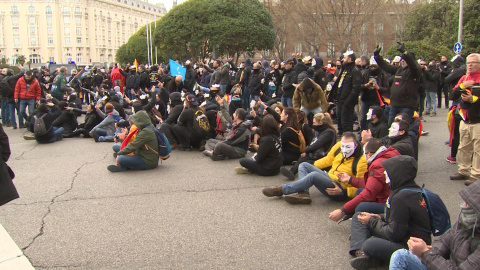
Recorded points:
145,144
314,100
35,92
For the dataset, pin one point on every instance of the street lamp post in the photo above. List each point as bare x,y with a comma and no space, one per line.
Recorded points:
460,22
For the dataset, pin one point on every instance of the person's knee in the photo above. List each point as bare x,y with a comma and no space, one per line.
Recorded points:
400,256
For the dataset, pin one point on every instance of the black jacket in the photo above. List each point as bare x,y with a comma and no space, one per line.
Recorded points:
348,85
269,153
7,188
324,140
190,78
289,78
405,212
143,80
405,87
378,129
255,84
402,143
67,120
382,82
430,79
54,113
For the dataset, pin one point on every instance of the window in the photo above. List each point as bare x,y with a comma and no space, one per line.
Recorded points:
66,19
78,31
330,28
15,31
14,20
66,30
48,10
51,59
49,19
49,31
32,30
50,40
67,40
31,20
35,58
299,47
65,10
78,20
78,11
348,28
79,58
31,9
363,29
79,40
16,41
102,58
14,10
330,49
379,27
68,58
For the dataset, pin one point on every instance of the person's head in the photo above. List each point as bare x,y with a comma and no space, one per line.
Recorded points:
42,108
338,63
423,63
403,116
375,113
400,171
239,115
90,107
307,84
28,75
178,79
320,119
348,144
396,60
73,72
473,62
278,108
141,68
217,63
364,60
358,62
268,126
349,58
398,128
63,70
289,118
109,107
371,147
256,66
444,58
307,60
289,64
191,100
301,116
4,71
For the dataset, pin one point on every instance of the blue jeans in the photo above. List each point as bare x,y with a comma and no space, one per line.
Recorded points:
23,106
314,111
116,147
364,110
309,175
57,133
403,259
371,207
12,106
132,162
396,110
287,101
223,89
5,111
431,102
246,98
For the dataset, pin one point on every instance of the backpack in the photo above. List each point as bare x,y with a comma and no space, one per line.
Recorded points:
222,123
5,89
439,217
164,148
301,139
201,126
354,163
39,126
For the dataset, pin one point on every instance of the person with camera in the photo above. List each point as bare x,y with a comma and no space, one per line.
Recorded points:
468,91
430,83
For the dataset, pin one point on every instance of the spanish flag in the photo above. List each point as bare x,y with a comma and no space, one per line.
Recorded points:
136,64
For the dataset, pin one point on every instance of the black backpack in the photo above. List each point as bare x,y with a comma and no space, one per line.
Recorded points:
39,127
201,125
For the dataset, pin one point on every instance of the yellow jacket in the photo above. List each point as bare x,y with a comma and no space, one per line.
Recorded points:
336,164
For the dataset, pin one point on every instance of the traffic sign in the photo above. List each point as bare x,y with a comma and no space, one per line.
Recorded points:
457,48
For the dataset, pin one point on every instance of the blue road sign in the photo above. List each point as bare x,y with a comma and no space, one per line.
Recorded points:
457,48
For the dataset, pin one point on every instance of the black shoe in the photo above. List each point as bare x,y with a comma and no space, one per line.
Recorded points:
287,173
182,148
217,157
364,262
95,136
115,168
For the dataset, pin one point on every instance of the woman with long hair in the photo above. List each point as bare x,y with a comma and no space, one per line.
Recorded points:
293,142
268,159
325,138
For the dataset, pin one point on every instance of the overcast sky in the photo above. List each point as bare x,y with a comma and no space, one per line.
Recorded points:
167,3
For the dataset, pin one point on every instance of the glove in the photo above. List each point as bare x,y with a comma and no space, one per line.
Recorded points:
401,47
376,52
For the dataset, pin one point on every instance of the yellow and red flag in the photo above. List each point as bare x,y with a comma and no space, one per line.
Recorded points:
136,64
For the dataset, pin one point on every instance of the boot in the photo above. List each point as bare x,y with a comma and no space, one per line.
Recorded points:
298,198
363,261
272,191
287,173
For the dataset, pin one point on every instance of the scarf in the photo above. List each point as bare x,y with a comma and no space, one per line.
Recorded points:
468,217
374,156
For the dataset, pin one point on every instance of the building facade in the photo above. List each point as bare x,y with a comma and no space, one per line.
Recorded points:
83,31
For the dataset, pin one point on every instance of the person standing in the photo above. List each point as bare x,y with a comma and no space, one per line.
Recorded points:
289,82
59,86
430,82
445,68
27,92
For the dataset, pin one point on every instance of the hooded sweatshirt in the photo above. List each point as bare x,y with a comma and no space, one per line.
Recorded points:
458,248
404,208
145,143
311,98
108,122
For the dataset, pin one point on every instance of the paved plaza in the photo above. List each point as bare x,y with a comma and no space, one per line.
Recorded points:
189,213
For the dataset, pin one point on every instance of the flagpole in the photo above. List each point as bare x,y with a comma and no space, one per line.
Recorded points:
151,43
148,45
156,58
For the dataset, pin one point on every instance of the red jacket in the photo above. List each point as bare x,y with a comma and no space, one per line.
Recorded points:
375,189
35,92
116,75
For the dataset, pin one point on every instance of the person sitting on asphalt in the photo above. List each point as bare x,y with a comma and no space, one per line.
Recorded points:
345,156
374,238
92,119
144,147
268,158
176,108
398,137
67,119
377,124
325,138
50,112
372,191
184,130
105,131
289,132
236,146
457,248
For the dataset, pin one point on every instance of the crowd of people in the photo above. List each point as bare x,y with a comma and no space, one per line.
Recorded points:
284,113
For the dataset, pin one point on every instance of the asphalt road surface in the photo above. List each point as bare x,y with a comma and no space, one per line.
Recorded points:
189,213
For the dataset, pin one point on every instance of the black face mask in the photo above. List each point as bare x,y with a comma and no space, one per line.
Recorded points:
317,128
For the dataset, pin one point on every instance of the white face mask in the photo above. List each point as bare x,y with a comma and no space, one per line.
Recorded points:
369,114
347,149
387,179
393,130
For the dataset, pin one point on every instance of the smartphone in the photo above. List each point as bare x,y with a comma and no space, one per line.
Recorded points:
463,91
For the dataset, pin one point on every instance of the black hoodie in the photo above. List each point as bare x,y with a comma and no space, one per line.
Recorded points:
405,211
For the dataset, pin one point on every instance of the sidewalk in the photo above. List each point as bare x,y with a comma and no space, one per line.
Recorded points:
11,257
